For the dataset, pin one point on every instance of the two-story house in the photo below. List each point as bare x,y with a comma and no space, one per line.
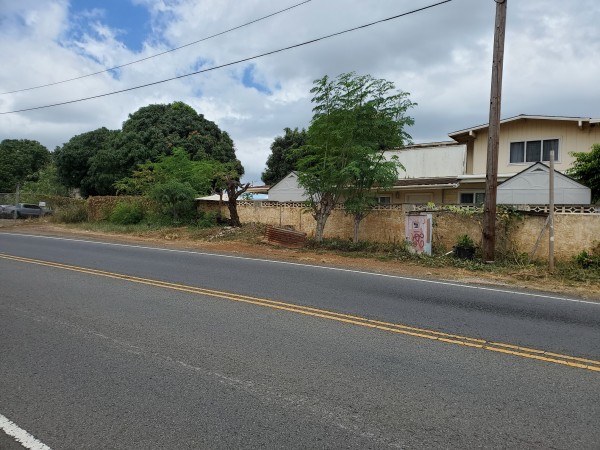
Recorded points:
524,141
453,172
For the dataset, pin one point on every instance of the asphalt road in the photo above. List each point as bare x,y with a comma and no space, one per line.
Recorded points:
105,360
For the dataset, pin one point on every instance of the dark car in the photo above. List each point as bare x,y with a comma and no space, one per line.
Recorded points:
24,210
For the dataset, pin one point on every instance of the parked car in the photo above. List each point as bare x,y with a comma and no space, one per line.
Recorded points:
24,210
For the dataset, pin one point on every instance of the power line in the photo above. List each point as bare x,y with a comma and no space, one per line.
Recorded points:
158,54
272,52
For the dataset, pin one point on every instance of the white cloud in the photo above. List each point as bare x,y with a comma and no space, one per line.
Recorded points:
442,56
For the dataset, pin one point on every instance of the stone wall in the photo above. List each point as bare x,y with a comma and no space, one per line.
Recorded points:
573,232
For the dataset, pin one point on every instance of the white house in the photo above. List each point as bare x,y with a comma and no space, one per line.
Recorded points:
287,190
531,187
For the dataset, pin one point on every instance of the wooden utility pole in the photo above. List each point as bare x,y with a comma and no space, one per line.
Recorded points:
491,175
551,215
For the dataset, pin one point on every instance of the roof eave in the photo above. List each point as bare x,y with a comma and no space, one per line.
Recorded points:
469,131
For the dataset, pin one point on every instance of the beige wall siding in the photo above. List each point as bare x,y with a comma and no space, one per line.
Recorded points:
470,151
432,161
571,139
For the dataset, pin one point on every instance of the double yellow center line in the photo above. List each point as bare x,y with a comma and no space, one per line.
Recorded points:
499,347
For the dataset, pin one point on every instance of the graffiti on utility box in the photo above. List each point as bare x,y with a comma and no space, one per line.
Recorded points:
419,228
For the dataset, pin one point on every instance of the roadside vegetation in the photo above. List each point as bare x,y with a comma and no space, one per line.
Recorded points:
582,273
142,179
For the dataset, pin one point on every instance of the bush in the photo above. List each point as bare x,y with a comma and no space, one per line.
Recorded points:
175,199
126,214
73,213
207,219
587,260
465,247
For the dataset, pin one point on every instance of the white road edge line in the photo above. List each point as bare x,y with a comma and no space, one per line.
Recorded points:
20,435
338,269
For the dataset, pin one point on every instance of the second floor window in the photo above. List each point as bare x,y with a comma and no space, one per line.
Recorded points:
533,151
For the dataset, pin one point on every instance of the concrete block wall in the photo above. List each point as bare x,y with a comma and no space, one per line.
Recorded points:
573,232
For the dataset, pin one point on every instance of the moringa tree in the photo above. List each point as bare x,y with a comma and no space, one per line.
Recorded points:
368,173
356,118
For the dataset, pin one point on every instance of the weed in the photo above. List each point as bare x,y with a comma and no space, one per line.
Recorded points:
73,213
126,214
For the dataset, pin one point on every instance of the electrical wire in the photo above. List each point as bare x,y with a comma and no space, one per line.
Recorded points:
272,52
158,54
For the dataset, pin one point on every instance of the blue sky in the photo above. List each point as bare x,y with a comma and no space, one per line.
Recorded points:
441,56
131,22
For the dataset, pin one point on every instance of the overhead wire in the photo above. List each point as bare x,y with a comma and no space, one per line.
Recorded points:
157,54
312,41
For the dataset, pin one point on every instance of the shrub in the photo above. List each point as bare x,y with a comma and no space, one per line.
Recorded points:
587,260
73,213
126,214
175,199
465,247
207,219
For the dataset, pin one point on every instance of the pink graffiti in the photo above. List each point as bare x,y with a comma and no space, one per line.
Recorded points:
418,240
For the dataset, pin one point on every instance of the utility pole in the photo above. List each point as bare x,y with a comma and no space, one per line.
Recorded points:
491,176
551,215
17,198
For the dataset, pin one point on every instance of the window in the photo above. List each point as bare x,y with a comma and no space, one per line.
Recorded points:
384,200
533,151
418,198
472,198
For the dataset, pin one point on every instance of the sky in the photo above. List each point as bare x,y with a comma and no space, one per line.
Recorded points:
442,56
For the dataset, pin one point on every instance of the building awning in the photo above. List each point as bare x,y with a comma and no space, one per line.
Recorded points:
426,183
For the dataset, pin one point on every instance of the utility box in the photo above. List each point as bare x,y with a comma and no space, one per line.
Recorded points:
418,232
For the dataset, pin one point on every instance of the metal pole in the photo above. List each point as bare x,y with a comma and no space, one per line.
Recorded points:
551,215
17,195
491,175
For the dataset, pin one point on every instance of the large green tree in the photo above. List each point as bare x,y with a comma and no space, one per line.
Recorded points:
20,160
46,182
96,160
356,118
586,170
75,158
285,153
160,128
199,175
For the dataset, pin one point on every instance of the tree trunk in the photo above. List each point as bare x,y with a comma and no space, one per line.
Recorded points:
321,215
357,220
234,190
321,218
233,214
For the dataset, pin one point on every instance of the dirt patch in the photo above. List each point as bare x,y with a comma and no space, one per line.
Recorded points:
227,242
